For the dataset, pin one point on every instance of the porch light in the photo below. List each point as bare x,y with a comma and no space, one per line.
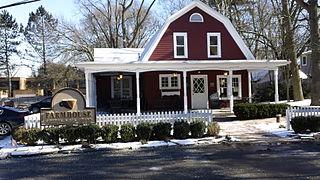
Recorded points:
174,74
120,77
225,73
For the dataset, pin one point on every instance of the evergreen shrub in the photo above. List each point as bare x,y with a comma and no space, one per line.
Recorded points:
127,133
70,134
50,135
162,130
109,133
144,131
27,136
181,130
259,111
89,132
303,124
197,129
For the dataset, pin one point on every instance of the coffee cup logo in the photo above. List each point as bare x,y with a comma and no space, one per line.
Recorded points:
68,103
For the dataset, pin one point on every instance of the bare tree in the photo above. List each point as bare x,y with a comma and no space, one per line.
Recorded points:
290,50
111,24
312,8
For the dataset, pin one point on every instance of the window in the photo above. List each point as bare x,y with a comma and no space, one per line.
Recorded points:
304,61
121,89
196,17
222,86
214,45
180,45
169,81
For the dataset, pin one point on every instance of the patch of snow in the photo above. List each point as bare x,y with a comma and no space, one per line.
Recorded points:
6,142
305,102
273,128
22,150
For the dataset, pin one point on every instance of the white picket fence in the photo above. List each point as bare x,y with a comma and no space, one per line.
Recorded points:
293,112
132,118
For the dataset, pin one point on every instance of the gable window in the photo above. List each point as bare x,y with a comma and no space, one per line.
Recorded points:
121,89
196,17
214,45
169,81
222,86
180,45
304,61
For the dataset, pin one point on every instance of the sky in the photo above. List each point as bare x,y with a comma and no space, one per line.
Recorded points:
58,8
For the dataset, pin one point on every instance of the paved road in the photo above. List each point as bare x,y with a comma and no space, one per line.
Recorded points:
220,161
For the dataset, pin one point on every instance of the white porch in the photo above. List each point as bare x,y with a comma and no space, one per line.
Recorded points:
139,67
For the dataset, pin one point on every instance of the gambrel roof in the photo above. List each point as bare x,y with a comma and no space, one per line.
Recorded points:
150,47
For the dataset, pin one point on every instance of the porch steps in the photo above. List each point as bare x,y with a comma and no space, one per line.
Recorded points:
222,113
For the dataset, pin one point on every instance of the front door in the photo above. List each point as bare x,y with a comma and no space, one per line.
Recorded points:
199,91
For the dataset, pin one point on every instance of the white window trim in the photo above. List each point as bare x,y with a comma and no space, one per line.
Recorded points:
304,64
130,86
185,44
194,14
240,86
169,82
218,35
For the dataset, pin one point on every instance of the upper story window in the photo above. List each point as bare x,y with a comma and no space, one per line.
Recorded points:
169,81
214,45
304,61
180,45
196,17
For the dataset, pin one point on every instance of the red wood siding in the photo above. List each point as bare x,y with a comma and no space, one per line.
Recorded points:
152,93
197,39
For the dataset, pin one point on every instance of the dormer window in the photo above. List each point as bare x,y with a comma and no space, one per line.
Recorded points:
196,17
180,45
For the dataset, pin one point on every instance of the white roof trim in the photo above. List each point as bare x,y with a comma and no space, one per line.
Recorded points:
251,65
224,20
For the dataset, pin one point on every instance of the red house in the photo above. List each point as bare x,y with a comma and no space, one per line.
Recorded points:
196,56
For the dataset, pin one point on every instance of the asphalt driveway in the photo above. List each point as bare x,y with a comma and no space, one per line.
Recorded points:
218,161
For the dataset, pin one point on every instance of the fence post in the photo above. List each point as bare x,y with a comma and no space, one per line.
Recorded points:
288,118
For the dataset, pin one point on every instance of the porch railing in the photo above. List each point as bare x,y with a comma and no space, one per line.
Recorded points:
132,118
293,112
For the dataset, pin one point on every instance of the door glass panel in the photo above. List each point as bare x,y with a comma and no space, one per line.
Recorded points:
198,85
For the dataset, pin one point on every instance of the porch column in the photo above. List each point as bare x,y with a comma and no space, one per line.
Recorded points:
230,94
276,88
185,96
250,87
91,94
138,93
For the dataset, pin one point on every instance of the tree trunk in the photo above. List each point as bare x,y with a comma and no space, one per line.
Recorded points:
315,54
290,52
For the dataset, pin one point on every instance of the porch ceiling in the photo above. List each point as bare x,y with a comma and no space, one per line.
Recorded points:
250,65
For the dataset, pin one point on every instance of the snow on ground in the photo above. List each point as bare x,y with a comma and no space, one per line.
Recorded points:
7,149
274,128
305,102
